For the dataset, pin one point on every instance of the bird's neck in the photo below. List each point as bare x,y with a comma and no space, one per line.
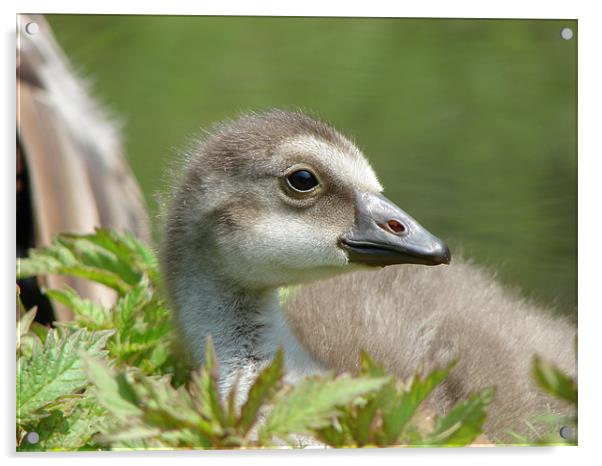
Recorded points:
247,327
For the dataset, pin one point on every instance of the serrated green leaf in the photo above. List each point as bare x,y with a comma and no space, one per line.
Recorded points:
403,408
93,316
28,345
75,256
262,391
164,406
127,306
554,381
205,389
148,408
55,370
360,423
464,423
34,266
91,255
125,246
44,261
67,430
312,402
113,391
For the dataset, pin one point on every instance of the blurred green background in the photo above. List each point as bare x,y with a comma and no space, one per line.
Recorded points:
470,124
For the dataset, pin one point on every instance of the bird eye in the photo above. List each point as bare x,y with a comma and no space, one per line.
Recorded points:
302,180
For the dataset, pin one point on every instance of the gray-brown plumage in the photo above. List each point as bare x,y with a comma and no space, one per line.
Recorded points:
413,318
241,223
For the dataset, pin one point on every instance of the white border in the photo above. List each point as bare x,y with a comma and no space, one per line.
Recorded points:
589,222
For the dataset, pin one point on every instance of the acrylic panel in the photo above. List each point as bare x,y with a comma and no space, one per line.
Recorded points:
295,232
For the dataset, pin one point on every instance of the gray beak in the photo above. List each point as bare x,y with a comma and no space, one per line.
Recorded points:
383,234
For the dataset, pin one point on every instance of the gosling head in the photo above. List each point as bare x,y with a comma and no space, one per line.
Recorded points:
279,198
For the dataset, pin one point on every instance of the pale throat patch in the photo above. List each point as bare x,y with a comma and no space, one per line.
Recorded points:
350,167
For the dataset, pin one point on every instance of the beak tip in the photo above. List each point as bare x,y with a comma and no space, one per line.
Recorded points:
444,256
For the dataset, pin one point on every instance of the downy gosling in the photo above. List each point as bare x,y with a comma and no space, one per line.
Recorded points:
277,199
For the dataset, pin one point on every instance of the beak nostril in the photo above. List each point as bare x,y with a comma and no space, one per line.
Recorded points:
396,227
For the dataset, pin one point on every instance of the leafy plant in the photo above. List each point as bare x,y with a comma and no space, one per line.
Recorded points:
152,413
135,333
111,378
51,398
383,418
140,319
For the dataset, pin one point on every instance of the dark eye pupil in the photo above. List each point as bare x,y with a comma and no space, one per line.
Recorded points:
302,180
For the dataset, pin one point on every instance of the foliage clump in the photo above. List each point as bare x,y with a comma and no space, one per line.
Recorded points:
112,379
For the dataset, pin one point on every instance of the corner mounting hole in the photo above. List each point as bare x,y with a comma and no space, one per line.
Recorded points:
32,28
566,33
32,437
567,433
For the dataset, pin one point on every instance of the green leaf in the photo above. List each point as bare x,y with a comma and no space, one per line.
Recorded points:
360,425
55,370
127,307
117,260
158,356
113,391
205,389
80,256
68,430
28,345
554,381
58,260
89,253
148,409
91,315
164,406
312,402
464,423
262,391
403,408
125,246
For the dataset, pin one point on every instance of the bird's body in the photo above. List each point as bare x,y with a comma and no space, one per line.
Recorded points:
278,199
412,318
